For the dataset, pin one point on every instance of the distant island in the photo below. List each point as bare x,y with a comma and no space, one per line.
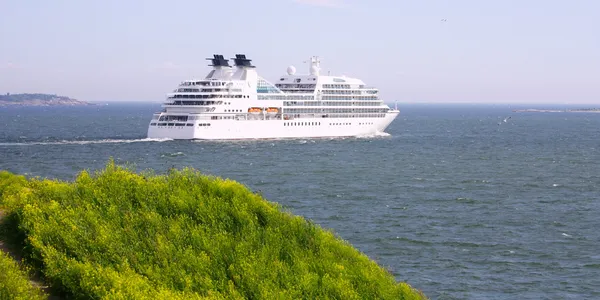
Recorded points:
588,110
38,100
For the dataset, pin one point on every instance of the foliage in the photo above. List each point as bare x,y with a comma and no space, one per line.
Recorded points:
14,283
26,97
116,234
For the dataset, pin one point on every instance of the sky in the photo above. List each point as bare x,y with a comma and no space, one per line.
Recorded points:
417,51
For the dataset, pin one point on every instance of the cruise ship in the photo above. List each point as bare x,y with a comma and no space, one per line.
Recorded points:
234,102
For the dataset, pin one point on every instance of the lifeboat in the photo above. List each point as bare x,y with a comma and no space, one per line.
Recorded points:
254,110
272,110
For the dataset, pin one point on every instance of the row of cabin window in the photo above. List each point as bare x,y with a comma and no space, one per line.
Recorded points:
312,97
301,123
213,90
336,86
196,102
285,97
347,103
178,124
202,83
295,86
176,118
294,91
330,115
173,118
354,116
349,98
186,90
224,117
211,96
300,79
335,110
328,103
171,124
341,92
179,102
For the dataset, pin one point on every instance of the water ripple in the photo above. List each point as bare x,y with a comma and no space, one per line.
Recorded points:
449,201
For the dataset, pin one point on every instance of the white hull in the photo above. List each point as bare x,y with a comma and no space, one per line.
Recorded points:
267,129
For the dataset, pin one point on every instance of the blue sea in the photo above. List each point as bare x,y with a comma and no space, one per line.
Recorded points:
455,201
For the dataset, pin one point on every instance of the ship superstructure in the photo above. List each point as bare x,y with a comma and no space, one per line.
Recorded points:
234,102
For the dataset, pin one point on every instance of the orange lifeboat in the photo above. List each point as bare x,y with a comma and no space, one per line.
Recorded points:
272,110
254,110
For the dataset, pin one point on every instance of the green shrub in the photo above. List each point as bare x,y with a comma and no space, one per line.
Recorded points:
14,283
119,235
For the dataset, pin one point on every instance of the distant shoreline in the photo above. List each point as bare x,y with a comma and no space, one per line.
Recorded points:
580,110
19,100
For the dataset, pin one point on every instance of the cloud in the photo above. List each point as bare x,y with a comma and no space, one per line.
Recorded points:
324,3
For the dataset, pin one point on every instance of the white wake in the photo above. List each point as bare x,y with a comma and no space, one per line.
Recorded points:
104,141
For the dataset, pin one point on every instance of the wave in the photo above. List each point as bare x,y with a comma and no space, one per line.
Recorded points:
173,154
373,135
299,140
413,241
76,142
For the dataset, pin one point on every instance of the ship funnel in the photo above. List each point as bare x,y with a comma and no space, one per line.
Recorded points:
219,61
242,62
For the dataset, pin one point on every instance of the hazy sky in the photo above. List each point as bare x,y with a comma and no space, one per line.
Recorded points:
492,51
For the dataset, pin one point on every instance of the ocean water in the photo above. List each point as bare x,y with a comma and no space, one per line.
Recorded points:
454,201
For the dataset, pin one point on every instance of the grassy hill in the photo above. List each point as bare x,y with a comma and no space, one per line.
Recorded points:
117,234
37,99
